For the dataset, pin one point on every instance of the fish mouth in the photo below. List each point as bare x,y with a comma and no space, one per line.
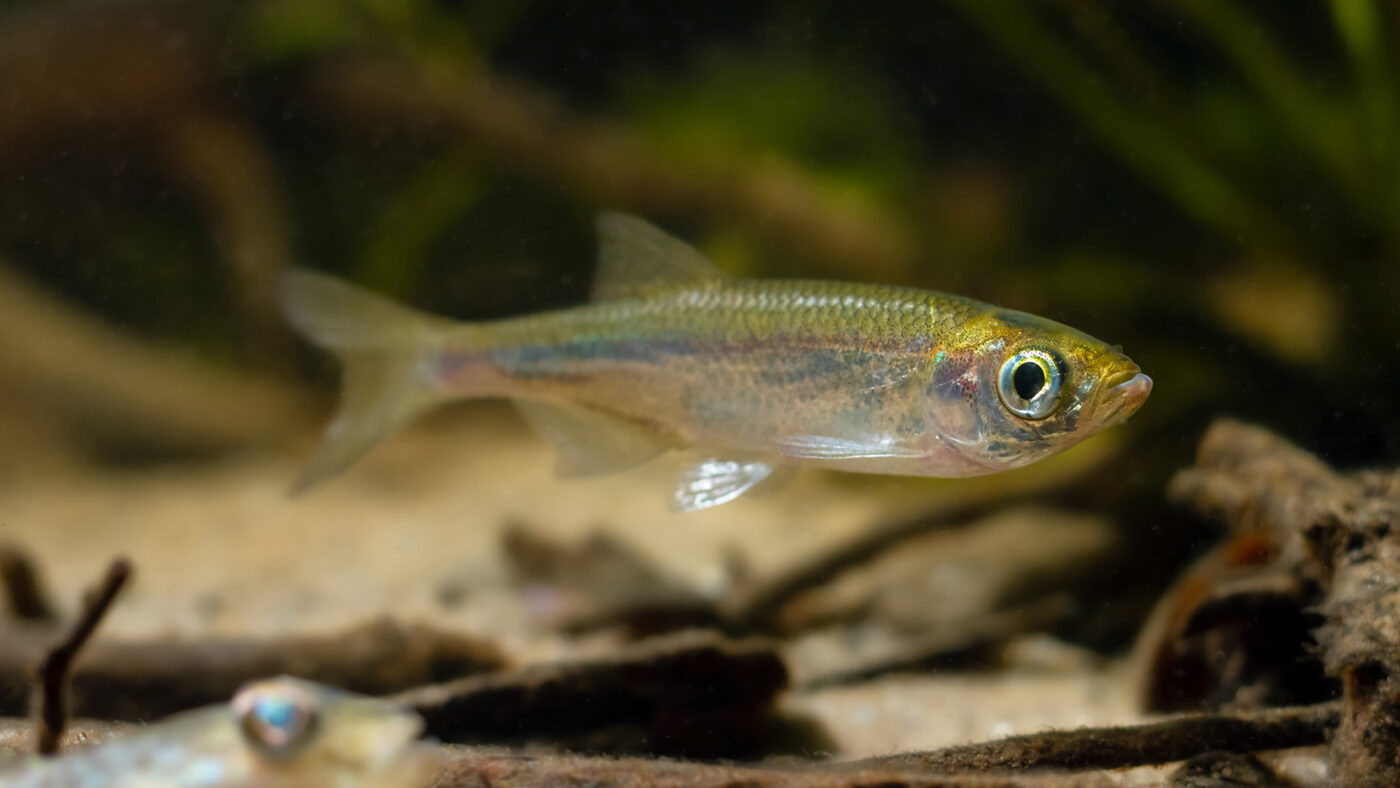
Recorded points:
1127,374
1125,391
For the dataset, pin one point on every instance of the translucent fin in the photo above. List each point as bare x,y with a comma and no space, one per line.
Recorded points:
380,345
636,259
591,443
712,482
822,447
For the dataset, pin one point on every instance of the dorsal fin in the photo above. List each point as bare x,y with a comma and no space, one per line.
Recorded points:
636,259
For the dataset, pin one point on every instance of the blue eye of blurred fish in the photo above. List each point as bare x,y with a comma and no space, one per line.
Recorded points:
276,713
276,719
1029,383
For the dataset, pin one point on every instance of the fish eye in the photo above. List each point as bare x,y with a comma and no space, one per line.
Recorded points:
1029,383
277,719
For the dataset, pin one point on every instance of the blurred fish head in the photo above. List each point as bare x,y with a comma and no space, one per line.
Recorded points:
302,734
1015,388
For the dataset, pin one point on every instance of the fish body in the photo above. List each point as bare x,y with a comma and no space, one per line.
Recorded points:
278,733
748,375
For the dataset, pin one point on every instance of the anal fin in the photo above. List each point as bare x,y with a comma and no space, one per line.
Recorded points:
591,443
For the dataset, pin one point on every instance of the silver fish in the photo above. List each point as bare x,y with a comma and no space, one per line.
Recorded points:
748,376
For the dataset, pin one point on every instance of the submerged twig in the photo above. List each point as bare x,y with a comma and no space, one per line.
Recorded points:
486,766
1131,745
54,671
20,578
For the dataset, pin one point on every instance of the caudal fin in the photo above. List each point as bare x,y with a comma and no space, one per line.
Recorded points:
381,346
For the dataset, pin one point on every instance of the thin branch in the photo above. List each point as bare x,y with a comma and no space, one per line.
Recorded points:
54,670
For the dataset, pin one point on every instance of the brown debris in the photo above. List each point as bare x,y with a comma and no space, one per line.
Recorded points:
1132,745
142,680
1335,534
1234,629
1226,769
681,684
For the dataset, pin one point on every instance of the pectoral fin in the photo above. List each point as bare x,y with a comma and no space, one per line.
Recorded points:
591,443
712,482
824,447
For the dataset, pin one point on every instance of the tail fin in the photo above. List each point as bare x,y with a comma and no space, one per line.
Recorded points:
380,345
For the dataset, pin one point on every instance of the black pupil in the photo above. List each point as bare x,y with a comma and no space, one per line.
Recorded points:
1028,379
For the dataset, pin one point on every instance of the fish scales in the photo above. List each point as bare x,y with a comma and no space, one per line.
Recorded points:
698,351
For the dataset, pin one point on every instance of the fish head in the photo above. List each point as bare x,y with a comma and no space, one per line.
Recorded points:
300,734
1014,388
